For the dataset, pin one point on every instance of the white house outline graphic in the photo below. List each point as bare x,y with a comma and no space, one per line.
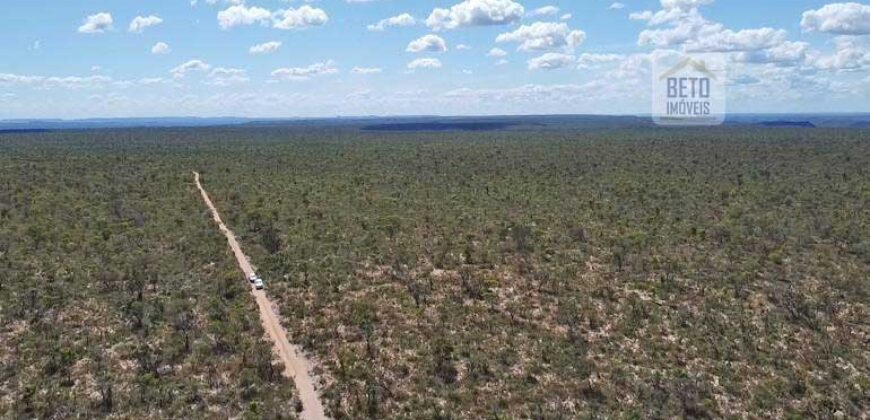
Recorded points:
698,65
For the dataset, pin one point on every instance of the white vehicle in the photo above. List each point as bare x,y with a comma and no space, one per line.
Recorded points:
252,277
258,283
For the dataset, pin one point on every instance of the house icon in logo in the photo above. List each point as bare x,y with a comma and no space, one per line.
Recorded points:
699,66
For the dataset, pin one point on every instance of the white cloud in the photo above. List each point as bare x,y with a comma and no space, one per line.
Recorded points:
616,6
838,18
541,36
544,11
265,48
684,4
551,61
304,73
672,11
221,76
192,65
462,47
632,67
427,43
786,53
58,82
243,15
850,54
716,38
96,24
476,13
151,81
213,2
139,23
686,28
425,63
644,15
497,52
300,18
365,70
160,48
698,35
403,19
566,16
589,60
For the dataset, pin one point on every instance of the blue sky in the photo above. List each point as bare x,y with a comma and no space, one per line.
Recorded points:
76,59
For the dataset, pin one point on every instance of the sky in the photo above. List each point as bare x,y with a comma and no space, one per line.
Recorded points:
326,58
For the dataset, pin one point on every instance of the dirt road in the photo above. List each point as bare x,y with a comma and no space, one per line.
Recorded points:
296,366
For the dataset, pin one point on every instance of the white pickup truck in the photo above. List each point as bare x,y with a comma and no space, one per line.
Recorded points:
256,281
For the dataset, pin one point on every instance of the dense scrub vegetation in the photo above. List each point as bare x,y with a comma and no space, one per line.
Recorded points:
532,273
118,297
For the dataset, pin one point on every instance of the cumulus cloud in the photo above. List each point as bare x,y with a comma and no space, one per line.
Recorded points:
476,13
427,43
160,48
243,15
463,47
616,6
551,61
151,81
684,4
265,48
58,82
212,2
786,53
685,28
221,76
838,18
541,36
190,66
589,60
497,52
671,11
644,15
365,70
699,35
850,54
305,73
425,63
544,11
300,18
96,24
631,67
403,19
717,38
292,18
139,23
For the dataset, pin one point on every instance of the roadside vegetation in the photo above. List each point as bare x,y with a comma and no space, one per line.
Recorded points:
118,296
528,273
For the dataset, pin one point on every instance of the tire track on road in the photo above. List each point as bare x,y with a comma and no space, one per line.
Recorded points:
296,366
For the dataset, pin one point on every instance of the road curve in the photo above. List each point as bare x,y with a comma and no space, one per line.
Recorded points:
296,366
